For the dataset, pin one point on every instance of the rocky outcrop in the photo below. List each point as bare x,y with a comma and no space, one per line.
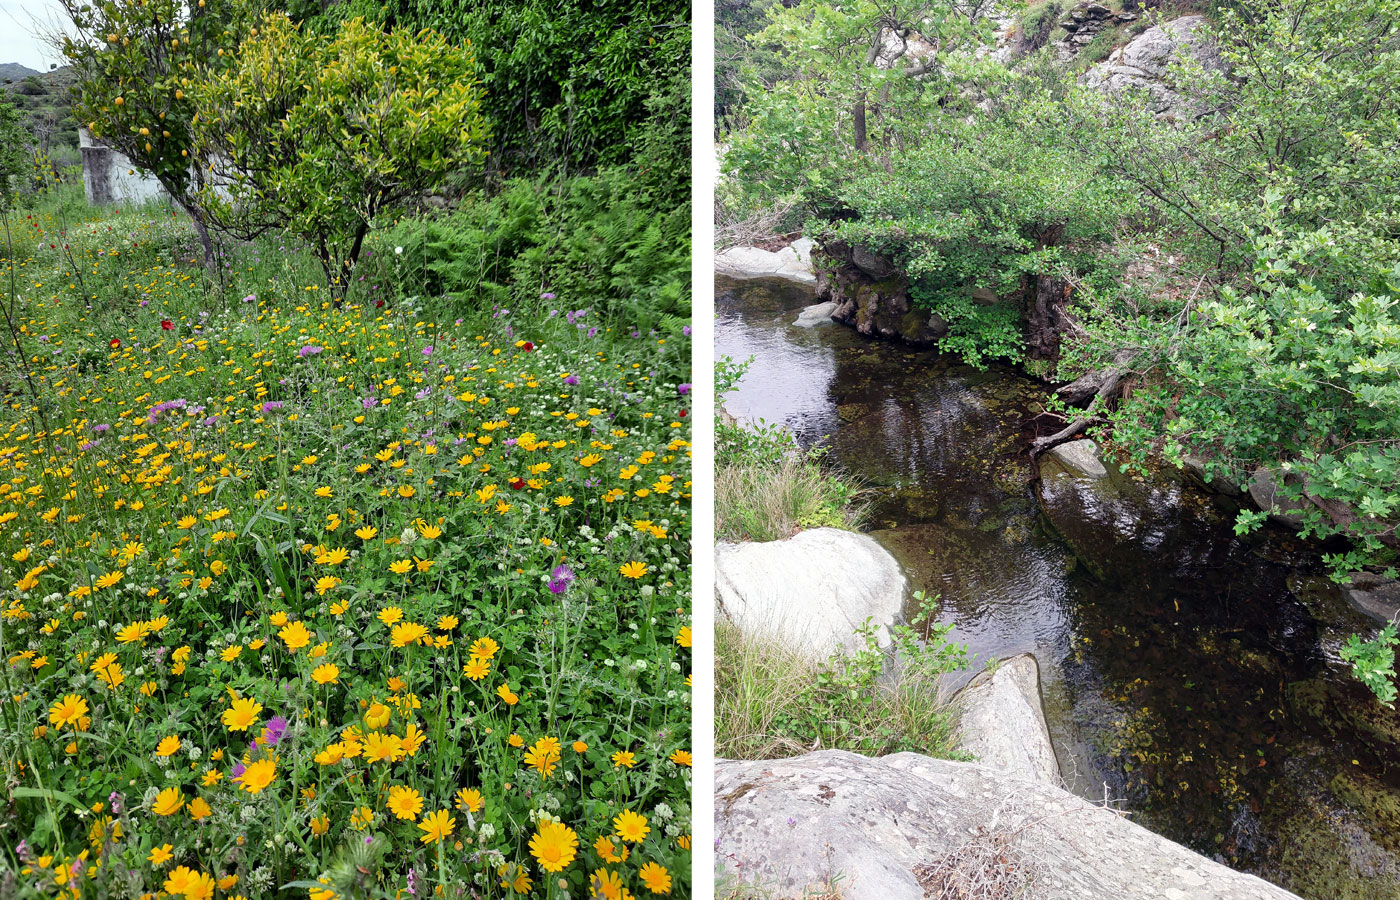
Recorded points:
907,827
793,262
1083,24
872,295
1141,64
811,591
1194,468
1263,490
1002,724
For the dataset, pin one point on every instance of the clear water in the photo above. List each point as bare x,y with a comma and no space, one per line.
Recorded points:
1189,675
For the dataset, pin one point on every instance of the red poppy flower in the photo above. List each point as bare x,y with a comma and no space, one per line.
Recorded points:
517,483
682,414
114,343
527,346
166,325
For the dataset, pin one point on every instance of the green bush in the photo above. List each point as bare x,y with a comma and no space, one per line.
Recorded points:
575,80
592,242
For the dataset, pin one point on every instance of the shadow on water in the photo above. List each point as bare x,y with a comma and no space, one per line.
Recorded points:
1190,675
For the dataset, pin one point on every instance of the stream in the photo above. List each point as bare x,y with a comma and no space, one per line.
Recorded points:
1190,677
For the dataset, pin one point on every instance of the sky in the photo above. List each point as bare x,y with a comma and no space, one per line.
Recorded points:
21,23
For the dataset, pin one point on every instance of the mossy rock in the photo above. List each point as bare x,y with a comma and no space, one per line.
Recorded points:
849,412
1377,804
1350,712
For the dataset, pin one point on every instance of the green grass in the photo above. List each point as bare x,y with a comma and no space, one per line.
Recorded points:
774,701
768,500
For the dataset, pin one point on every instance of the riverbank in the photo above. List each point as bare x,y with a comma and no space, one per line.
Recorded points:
1193,672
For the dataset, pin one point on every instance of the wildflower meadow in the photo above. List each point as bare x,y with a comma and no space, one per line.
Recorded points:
379,595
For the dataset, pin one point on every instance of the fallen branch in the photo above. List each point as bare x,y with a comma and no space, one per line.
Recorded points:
1104,385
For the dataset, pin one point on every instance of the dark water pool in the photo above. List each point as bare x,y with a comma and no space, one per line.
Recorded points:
1190,676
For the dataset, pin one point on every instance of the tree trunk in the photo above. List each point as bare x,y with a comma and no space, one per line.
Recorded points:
201,227
1048,318
1048,315
858,114
347,266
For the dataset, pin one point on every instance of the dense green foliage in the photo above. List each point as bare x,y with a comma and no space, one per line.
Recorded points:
14,162
587,84
321,136
590,242
1237,252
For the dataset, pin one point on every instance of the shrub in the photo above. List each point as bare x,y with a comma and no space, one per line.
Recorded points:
593,242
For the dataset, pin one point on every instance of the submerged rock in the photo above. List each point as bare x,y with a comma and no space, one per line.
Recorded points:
811,591
1001,722
906,826
793,262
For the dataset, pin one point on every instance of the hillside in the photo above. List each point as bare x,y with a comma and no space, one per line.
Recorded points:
14,72
46,101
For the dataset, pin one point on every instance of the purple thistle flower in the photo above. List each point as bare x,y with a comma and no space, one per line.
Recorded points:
309,350
271,405
683,388
572,379
274,730
560,579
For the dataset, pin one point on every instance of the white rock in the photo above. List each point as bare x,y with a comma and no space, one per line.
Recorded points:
816,314
793,262
811,591
1142,62
790,824
1002,724
1079,458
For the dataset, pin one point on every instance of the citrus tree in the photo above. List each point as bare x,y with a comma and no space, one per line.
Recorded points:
137,62
318,136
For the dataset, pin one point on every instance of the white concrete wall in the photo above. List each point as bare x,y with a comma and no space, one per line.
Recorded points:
110,177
